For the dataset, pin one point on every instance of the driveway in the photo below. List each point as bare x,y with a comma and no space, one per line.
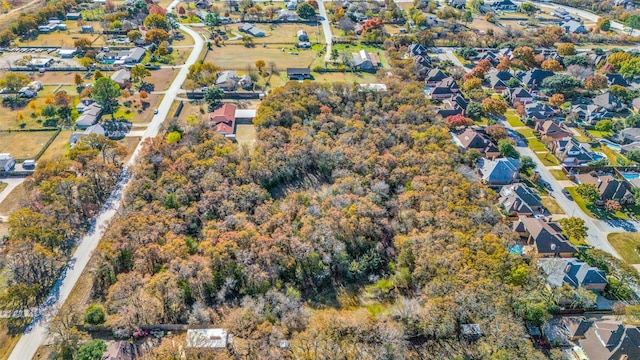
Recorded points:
326,29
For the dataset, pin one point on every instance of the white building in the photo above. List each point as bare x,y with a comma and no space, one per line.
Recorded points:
6,162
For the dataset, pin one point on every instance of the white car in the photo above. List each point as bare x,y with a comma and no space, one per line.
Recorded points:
155,112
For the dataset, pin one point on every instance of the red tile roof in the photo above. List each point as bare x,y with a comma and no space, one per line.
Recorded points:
224,118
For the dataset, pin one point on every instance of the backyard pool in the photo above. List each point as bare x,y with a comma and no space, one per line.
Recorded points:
630,175
516,249
614,146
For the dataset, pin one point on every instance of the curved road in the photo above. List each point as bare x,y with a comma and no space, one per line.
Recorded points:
37,333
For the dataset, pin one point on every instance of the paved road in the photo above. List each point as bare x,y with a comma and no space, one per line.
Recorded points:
37,333
326,29
586,15
596,235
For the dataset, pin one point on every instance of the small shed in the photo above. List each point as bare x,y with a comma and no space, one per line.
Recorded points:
74,16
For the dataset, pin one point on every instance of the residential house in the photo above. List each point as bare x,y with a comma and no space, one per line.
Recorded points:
74,16
423,60
571,152
490,56
590,113
93,129
365,60
498,79
203,4
518,95
207,339
83,105
251,30
471,139
533,78
417,50
545,236
500,171
505,52
604,337
40,63
458,4
552,130
6,162
609,187
288,15
302,35
519,200
445,89
245,82
227,80
504,5
134,56
67,52
574,272
634,146
629,135
573,27
298,73
122,77
453,106
89,116
616,79
434,76
87,29
223,120
597,58
539,111
609,102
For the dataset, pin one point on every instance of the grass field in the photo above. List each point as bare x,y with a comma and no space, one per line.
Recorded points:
14,201
24,145
347,77
626,244
526,132
559,174
581,136
58,147
238,57
514,120
246,134
552,205
599,134
536,145
548,159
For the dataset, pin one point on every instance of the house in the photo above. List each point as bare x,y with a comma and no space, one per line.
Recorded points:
434,76
251,30
518,95
470,332
302,35
590,113
83,105
365,60
534,77
298,73
203,4
552,129
288,15
471,139
458,4
93,129
89,116
519,200
504,5
545,236
609,102
67,52
491,57
445,89
609,187
573,27
35,85
604,337
616,79
417,50
27,92
134,55
62,27
634,146
500,171
87,29
574,272
423,60
121,77
245,82
539,111
223,119
227,80
40,63
74,16
453,106
629,135
207,339
6,162
498,80
571,152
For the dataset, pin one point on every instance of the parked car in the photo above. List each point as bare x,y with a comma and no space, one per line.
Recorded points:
567,194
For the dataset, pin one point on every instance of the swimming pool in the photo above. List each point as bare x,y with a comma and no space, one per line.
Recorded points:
630,175
614,146
516,249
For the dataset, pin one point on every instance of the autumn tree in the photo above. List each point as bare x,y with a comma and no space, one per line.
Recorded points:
156,21
471,84
556,99
504,65
551,65
589,192
456,121
134,35
78,80
612,206
617,58
260,65
494,107
139,72
595,82
526,55
14,81
156,36
83,43
574,229
566,49
496,132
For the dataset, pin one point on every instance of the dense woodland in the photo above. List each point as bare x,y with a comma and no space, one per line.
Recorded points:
348,230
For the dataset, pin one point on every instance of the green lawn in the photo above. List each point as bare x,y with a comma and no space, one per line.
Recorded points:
536,145
483,121
514,120
548,159
581,136
124,113
559,174
526,132
626,244
598,212
599,134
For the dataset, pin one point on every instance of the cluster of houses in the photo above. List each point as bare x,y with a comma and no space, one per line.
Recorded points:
51,26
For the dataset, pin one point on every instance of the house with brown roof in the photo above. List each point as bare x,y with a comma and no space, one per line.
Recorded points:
434,77
223,119
552,129
445,89
609,187
476,140
604,337
545,236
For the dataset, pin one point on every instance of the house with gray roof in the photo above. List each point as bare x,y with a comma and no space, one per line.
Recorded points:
539,111
89,116
519,200
573,27
534,77
591,113
434,76
574,272
500,171
546,237
571,152
96,129
629,135
616,79
518,95
609,102
121,77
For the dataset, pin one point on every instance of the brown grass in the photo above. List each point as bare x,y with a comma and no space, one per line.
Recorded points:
246,134
14,201
58,147
162,78
10,332
24,145
238,57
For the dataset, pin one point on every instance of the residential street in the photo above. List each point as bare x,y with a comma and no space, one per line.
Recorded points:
37,334
326,29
